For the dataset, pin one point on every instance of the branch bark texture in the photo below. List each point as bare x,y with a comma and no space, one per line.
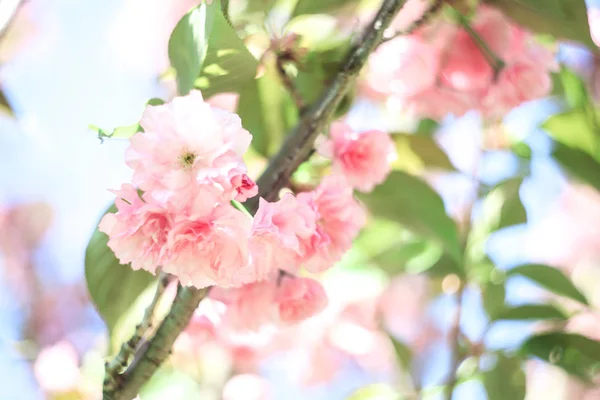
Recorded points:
295,150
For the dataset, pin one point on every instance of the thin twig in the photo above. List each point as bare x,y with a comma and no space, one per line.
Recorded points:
431,12
454,337
294,151
120,361
289,84
495,62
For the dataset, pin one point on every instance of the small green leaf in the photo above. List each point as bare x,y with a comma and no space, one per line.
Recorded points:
574,89
155,101
122,132
493,296
265,107
113,287
425,148
5,106
403,353
502,207
579,164
577,129
411,202
531,311
413,257
506,381
550,278
228,66
377,391
576,354
565,19
188,45
322,6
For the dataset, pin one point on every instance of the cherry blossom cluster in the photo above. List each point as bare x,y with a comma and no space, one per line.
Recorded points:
443,69
177,213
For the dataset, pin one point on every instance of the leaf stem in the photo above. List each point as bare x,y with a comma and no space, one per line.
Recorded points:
434,7
454,337
297,147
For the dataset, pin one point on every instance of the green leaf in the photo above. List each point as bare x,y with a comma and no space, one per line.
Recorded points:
550,278
113,287
565,19
502,207
506,381
229,66
413,257
574,89
267,111
5,106
322,6
188,44
425,148
403,353
259,5
576,354
579,164
122,132
531,311
411,202
577,129
493,296
377,391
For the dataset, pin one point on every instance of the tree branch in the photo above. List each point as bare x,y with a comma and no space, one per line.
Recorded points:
431,12
295,150
116,365
454,337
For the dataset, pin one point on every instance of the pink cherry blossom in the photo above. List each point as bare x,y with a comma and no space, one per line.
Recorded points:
277,234
364,158
138,231
211,249
403,66
340,218
186,141
299,299
466,68
249,307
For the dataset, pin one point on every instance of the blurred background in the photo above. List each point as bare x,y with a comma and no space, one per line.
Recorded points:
66,64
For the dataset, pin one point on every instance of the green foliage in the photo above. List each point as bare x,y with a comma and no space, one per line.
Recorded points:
493,295
411,202
228,66
420,151
414,257
113,287
375,391
503,206
403,353
322,6
579,164
122,132
267,111
564,19
531,312
550,278
506,381
188,44
576,354
5,106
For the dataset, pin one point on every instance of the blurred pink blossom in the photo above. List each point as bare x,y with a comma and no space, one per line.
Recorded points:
363,158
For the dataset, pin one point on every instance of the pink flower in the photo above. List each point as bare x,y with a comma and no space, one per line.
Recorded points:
299,299
517,84
439,102
138,231
403,66
362,158
340,218
210,249
187,141
249,307
465,67
277,233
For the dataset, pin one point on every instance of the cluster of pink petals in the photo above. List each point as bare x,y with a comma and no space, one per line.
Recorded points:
176,214
281,301
363,158
440,69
